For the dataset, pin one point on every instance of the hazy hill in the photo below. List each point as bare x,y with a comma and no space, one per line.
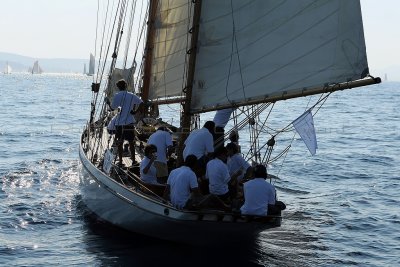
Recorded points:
20,63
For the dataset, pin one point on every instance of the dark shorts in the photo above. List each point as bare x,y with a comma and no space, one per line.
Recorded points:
125,132
200,169
225,196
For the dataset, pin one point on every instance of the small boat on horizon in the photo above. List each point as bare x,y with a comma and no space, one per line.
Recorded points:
91,66
36,69
7,68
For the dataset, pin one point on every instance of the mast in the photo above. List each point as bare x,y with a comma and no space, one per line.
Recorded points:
149,50
186,116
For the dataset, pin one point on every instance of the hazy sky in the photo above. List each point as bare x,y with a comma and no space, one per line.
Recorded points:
66,29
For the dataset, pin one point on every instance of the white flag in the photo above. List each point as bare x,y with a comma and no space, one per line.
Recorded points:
304,125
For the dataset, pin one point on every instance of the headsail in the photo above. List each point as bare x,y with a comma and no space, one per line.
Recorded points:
172,23
261,50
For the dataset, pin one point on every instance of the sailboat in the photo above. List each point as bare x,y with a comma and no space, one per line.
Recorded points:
91,66
205,56
7,69
36,69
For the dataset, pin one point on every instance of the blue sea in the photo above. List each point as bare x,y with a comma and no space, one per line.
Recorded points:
343,204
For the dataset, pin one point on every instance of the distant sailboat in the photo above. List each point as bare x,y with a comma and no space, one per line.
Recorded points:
91,65
84,68
7,69
36,69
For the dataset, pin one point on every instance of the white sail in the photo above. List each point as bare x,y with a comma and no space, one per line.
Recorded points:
261,50
36,69
7,69
91,65
170,47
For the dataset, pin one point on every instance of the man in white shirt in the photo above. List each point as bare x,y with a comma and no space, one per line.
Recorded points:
148,172
236,163
200,143
162,139
258,193
220,181
124,121
182,187
221,119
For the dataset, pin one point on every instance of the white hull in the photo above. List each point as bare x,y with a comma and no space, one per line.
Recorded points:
139,213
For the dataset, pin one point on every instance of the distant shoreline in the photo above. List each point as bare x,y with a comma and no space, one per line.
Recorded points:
64,65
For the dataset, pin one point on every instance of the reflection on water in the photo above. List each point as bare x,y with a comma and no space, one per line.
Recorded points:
343,204
114,246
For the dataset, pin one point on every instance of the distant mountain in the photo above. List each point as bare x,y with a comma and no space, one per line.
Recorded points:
23,63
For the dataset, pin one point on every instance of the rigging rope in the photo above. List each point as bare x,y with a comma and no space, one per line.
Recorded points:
137,84
95,39
129,34
121,7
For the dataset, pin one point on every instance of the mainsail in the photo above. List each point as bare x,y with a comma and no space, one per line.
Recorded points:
260,50
257,51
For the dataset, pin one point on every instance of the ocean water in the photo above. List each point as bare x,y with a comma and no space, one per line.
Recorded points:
343,204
